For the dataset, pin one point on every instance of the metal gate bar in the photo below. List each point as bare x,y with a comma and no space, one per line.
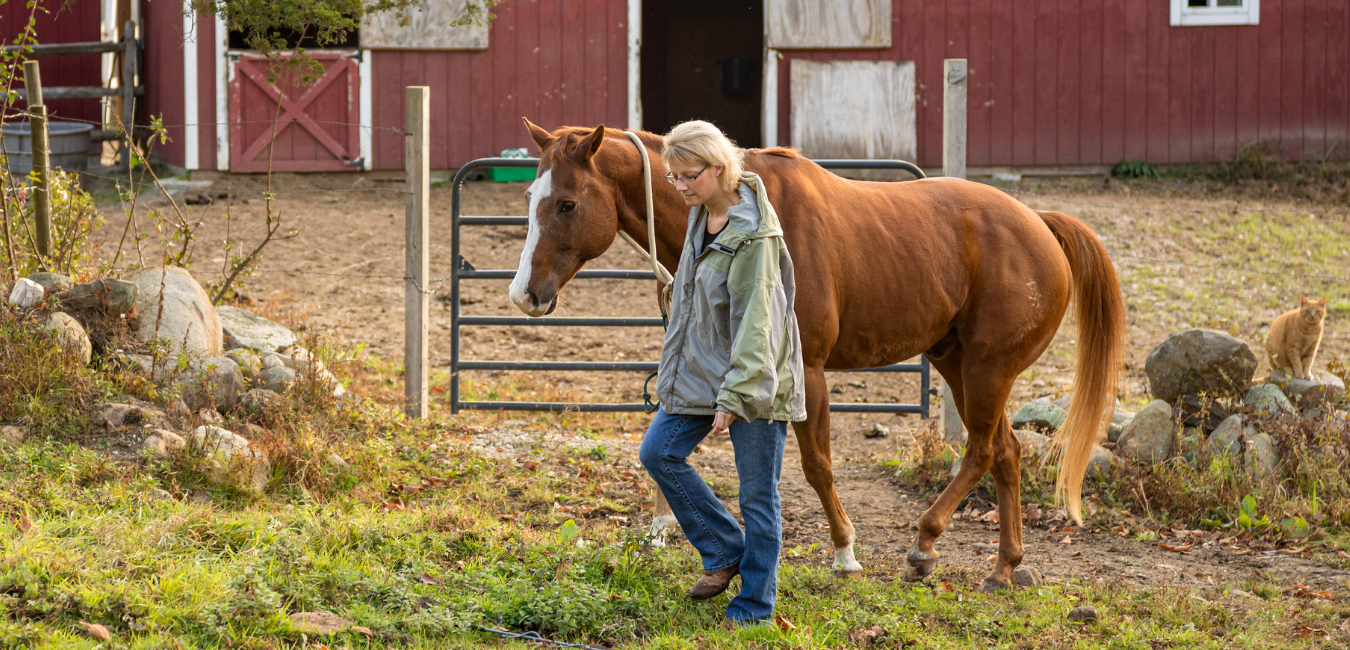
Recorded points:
462,270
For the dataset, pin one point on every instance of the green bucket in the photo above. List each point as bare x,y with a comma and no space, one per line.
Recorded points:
511,174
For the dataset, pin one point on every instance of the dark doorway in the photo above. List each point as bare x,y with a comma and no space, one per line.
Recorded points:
702,60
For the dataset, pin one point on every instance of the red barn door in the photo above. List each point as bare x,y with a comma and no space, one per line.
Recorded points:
318,126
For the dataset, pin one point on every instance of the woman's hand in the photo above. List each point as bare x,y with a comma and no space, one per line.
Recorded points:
722,422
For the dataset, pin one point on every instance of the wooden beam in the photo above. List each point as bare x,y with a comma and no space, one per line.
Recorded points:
417,302
953,164
63,49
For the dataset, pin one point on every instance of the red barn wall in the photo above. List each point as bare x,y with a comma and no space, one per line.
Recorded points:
76,21
557,63
1086,82
162,74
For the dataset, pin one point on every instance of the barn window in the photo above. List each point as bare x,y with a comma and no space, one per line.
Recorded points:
1215,12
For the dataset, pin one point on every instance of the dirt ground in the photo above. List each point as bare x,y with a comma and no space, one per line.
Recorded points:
340,274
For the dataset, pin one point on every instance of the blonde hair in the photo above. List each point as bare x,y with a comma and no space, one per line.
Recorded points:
699,143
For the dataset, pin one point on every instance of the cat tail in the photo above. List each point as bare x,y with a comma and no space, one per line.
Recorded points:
1100,312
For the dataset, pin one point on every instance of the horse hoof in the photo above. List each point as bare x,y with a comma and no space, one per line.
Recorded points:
993,586
848,575
921,565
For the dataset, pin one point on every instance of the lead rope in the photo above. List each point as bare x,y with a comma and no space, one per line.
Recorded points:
650,255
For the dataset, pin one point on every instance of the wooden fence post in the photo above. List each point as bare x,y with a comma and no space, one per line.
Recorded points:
417,302
953,164
128,82
42,201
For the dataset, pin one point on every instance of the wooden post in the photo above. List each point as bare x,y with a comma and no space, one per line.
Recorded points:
128,83
42,201
953,164
417,302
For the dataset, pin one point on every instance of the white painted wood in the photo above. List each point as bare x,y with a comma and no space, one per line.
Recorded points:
769,118
417,302
953,164
815,24
1182,15
853,109
367,109
192,130
222,95
429,28
107,33
634,65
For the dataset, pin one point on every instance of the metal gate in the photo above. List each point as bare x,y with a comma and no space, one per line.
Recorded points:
463,270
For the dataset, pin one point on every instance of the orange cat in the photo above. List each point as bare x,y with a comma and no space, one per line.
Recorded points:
1294,337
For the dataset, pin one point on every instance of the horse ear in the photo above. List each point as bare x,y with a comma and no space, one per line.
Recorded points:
592,143
541,137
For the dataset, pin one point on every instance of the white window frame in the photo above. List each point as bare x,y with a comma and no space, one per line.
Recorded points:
1184,16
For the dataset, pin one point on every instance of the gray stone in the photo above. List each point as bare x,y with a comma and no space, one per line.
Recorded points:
1027,576
26,294
258,399
159,494
1099,463
112,416
1199,361
336,461
72,335
1226,440
142,363
213,383
878,430
1083,614
52,282
277,379
308,365
244,329
1034,445
1324,389
1148,437
1040,417
1190,443
1267,399
162,442
1261,456
250,364
231,460
1202,412
187,320
12,435
109,297
274,360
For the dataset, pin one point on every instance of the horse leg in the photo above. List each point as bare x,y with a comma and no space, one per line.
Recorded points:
1008,483
813,437
663,521
922,556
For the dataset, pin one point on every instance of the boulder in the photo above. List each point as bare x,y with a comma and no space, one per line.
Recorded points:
244,329
52,282
1324,389
878,430
26,294
1040,417
1267,399
1227,437
274,360
162,442
1148,437
213,383
1261,456
109,297
1199,361
1099,463
1201,412
187,320
250,364
1027,576
12,435
72,335
112,416
258,399
277,379
231,460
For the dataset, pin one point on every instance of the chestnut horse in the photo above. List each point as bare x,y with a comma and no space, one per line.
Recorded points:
958,271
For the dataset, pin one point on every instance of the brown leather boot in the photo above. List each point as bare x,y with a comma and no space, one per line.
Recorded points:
712,584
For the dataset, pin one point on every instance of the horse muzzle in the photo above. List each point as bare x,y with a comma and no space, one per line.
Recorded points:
532,307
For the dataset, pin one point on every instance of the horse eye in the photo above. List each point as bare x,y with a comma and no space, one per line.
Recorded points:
566,206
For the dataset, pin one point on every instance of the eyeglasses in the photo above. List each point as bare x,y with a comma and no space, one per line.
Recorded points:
687,180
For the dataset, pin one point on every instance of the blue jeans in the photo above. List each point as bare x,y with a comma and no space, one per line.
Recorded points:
705,521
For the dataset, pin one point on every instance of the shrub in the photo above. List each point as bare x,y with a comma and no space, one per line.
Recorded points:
74,219
1136,169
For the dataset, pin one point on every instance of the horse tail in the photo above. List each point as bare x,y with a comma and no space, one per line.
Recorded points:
1100,312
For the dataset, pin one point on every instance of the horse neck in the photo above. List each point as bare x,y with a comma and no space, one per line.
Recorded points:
671,214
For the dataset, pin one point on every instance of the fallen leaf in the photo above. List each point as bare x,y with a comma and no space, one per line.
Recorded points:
433,481
561,570
1245,551
990,517
1344,556
396,504
783,623
865,636
25,524
363,630
97,631
410,489
427,580
645,506
1294,551
992,558
530,465
1067,540
1180,548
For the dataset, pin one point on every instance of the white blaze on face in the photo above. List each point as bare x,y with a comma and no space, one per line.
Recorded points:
520,285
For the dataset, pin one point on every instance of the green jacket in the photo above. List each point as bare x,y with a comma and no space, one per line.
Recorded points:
732,343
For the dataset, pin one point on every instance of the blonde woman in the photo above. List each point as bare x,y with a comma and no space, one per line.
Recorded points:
731,363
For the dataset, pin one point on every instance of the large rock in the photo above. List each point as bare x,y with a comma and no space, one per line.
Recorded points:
72,335
249,362
1324,389
258,399
114,416
187,319
232,461
213,383
1261,456
1199,361
162,442
1099,463
1149,435
1268,399
26,294
1201,412
109,297
1227,437
52,282
1040,417
244,329
277,379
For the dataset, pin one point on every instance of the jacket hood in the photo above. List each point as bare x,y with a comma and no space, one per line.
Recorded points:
750,221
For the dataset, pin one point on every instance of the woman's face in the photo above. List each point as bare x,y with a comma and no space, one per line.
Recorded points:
696,183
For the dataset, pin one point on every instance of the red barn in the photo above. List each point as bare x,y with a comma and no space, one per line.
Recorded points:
1067,83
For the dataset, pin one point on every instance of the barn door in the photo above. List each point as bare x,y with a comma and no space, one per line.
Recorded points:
318,126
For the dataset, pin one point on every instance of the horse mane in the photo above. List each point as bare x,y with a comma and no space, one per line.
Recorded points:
564,135
785,152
